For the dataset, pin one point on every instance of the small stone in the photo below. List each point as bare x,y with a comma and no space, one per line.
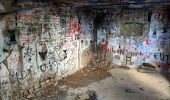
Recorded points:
43,84
53,80
84,97
30,96
122,79
37,85
93,68
56,83
129,91
64,86
141,89
47,81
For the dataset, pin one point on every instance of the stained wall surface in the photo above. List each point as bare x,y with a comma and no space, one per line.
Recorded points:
39,46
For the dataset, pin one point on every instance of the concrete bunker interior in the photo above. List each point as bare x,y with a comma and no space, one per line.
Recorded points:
84,50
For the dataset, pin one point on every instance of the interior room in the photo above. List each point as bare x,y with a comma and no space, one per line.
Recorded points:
84,49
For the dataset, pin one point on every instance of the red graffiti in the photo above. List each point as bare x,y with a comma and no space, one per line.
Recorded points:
109,49
26,16
75,27
120,51
105,46
148,42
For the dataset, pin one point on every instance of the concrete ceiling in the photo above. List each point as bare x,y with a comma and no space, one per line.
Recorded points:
13,5
130,3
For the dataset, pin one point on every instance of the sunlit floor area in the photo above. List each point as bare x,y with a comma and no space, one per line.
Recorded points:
128,85
112,83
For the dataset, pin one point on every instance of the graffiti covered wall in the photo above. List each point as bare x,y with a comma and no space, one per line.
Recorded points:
40,46
135,36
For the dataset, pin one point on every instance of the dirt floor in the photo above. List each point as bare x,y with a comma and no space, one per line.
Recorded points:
127,85
101,81
95,71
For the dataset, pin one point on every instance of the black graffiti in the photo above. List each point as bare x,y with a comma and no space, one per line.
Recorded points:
43,55
49,65
129,60
162,57
12,35
65,54
43,67
60,53
5,60
21,74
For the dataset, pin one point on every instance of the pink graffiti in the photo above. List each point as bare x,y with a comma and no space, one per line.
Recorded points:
75,27
15,59
67,44
56,19
27,39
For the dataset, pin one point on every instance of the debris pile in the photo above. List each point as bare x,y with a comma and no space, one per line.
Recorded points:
89,95
98,63
96,70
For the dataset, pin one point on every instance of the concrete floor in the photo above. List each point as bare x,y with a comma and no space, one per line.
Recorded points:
127,85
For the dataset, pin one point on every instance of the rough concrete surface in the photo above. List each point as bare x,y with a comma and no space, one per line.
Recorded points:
128,85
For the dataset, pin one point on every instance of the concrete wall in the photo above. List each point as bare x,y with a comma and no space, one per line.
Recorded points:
134,36
40,46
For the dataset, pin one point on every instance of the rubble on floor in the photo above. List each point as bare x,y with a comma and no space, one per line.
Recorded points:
127,85
100,80
95,71
89,95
